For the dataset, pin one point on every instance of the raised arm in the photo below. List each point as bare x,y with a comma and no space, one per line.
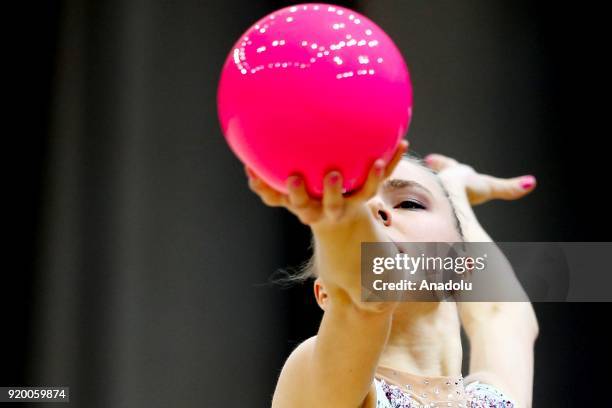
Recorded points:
336,367
501,334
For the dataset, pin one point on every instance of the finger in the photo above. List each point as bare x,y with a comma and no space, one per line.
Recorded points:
309,214
297,194
333,201
306,209
510,189
275,199
378,172
267,194
370,187
397,156
301,204
249,172
439,162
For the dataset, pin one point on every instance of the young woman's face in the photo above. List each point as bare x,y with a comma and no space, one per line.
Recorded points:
413,206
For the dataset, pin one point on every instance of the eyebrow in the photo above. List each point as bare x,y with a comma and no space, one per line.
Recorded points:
396,184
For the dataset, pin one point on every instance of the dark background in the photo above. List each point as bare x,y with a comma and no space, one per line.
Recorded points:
137,258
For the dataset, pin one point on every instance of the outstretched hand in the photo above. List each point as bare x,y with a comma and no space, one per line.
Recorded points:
333,207
460,178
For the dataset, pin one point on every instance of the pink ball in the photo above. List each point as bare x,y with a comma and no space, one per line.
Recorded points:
313,88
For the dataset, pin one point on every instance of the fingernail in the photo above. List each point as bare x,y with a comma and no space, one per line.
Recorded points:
250,173
334,178
428,159
296,182
527,182
379,166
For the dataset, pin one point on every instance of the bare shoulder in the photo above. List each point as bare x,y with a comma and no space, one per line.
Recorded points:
290,387
300,356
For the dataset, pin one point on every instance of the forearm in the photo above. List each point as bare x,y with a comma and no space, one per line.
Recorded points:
501,338
498,332
337,254
471,228
478,315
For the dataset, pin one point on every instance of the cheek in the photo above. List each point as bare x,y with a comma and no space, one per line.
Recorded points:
443,231
425,227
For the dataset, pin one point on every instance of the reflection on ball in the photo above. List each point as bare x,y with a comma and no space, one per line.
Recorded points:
313,88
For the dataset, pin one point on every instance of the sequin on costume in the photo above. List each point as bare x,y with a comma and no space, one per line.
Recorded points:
403,390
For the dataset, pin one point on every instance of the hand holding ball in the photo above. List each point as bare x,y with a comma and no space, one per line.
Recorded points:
313,88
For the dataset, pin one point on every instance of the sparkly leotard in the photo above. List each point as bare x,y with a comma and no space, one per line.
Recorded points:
396,389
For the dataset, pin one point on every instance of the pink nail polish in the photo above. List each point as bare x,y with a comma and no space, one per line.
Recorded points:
378,168
527,182
333,180
296,182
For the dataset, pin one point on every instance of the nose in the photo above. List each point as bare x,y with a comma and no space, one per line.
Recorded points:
380,212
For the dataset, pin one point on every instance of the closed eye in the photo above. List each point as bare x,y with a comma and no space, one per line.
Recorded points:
410,205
